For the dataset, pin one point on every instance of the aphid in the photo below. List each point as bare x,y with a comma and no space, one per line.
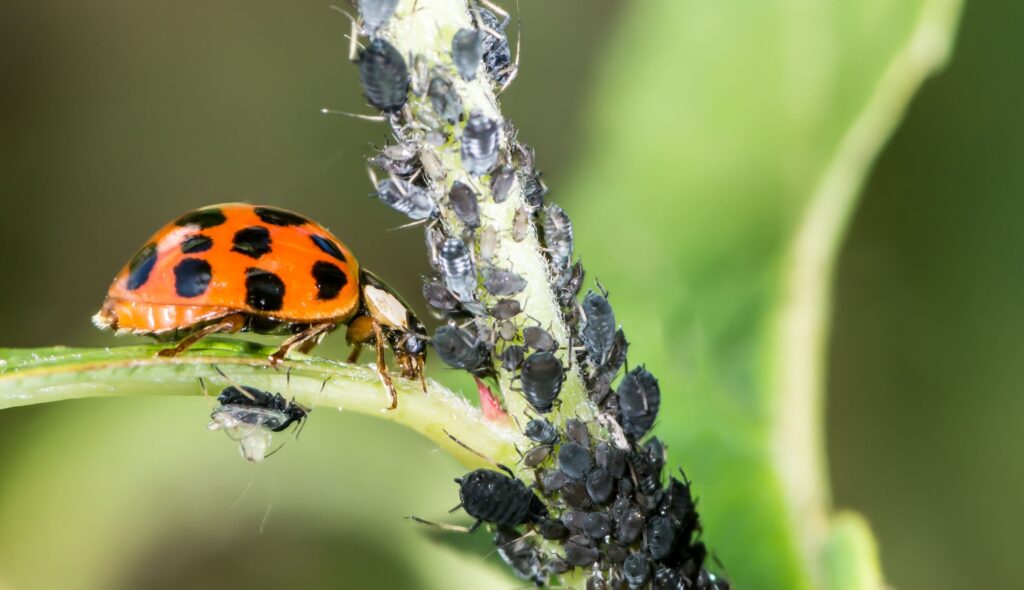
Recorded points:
458,268
553,481
239,267
598,328
580,551
678,505
505,309
575,460
534,189
491,496
538,338
503,283
573,520
556,228
480,144
497,55
250,415
615,553
665,578
536,455
571,287
384,75
501,182
376,13
600,381
637,570
542,376
557,567
661,537
600,486
432,165
656,453
628,519
467,51
459,349
464,204
438,296
540,430
512,357
639,400
576,431
575,495
420,77
552,530
597,525
408,198
488,243
399,159
610,458
648,475
524,558
444,99
507,330
521,224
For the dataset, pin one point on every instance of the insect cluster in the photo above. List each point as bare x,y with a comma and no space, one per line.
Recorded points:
589,495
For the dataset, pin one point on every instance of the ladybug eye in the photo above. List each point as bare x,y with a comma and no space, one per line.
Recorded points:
414,345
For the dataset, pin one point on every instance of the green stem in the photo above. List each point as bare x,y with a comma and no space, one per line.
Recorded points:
32,376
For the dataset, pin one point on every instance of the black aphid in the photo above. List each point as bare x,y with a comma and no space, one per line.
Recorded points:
575,496
480,144
464,203
576,431
460,349
628,518
536,455
497,53
458,269
552,530
384,75
280,413
490,496
665,578
444,99
438,297
599,382
637,570
678,504
505,309
597,525
400,159
661,537
575,460
648,474
611,458
376,13
556,231
639,400
503,283
406,197
553,481
600,486
540,339
512,358
542,376
467,51
501,182
571,287
524,558
542,431
534,189
598,328
580,551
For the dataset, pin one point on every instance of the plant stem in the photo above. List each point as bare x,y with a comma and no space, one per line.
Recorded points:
31,376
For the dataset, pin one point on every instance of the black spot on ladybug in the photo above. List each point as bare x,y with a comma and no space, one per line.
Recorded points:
330,280
204,218
140,266
196,243
252,241
264,290
192,277
329,247
279,216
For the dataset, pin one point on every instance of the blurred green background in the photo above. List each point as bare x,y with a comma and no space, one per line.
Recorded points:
119,115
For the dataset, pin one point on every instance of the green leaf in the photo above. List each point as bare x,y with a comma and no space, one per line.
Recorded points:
730,139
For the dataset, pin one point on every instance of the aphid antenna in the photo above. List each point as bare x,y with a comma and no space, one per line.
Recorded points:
513,68
234,384
445,527
481,455
495,8
410,224
374,118
604,292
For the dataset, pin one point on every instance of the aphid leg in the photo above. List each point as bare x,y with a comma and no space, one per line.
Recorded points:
374,118
353,42
513,68
304,341
446,527
229,324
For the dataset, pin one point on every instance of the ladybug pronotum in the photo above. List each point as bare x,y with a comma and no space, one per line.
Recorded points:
239,267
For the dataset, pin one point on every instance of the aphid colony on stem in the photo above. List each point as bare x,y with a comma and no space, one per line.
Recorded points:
598,501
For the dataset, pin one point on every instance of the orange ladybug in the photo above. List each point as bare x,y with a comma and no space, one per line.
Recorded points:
239,267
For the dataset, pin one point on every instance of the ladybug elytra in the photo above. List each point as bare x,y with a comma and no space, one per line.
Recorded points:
239,267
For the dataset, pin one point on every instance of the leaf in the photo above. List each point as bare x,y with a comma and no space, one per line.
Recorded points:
729,142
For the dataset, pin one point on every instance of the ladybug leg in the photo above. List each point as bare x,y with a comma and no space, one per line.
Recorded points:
382,366
229,324
304,341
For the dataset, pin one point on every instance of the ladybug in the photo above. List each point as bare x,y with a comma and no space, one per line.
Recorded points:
239,267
